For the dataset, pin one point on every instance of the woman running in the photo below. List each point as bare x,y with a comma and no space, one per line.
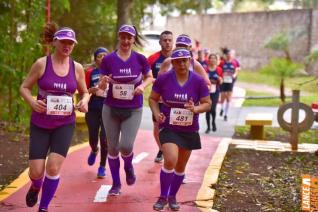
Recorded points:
128,74
184,95
215,76
93,117
53,118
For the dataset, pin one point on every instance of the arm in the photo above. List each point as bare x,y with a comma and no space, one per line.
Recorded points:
154,106
204,106
34,74
148,79
201,71
82,105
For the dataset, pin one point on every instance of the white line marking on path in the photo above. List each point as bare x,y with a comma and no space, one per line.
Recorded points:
101,194
140,157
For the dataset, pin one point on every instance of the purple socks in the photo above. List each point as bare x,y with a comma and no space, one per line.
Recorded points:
48,190
166,177
175,183
128,160
114,165
37,184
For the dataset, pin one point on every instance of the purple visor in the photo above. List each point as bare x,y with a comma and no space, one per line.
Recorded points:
180,53
65,34
184,40
128,29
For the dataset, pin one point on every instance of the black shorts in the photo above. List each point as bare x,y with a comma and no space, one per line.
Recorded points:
153,117
186,140
56,140
225,87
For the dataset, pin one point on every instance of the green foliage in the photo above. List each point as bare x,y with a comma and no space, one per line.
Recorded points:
312,57
281,68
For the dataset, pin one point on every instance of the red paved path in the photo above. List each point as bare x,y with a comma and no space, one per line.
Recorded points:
78,185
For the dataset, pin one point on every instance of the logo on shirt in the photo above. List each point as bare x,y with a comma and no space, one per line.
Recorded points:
59,86
126,71
181,97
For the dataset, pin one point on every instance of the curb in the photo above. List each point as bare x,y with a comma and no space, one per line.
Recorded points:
23,178
206,193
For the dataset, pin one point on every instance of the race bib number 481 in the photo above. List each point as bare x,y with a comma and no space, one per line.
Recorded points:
123,91
180,117
59,105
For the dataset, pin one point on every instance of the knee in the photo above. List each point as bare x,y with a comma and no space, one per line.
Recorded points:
36,172
170,162
126,150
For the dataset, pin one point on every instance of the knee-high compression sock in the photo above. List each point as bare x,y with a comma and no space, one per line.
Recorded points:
227,106
48,190
37,183
128,160
176,183
114,165
165,181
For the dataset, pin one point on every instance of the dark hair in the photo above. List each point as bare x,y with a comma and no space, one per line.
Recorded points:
48,32
166,32
214,55
138,38
225,50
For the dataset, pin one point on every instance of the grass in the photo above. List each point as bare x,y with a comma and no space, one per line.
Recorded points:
272,133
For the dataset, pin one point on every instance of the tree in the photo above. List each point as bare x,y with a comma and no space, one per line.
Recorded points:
281,68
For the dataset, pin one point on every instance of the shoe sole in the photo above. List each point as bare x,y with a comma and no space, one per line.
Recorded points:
114,194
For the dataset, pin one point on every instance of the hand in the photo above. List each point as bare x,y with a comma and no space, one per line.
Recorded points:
93,90
82,106
39,106
160,118
103,82
139,90
190,106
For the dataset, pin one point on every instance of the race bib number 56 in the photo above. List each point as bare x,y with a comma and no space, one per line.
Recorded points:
180,117
123,91
59,105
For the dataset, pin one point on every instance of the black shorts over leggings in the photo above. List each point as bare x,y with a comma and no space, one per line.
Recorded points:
56,140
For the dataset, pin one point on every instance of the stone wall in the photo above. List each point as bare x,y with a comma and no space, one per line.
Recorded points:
248,32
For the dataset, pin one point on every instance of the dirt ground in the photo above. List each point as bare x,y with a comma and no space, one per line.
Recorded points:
262,181
14,148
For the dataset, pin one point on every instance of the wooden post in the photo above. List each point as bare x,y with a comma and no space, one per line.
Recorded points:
294,120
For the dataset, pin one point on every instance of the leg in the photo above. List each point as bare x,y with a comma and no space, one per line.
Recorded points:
92,122
129,129
112,127
159,156
215,98
103,148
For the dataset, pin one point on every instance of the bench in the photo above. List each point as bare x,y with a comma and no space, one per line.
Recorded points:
257,121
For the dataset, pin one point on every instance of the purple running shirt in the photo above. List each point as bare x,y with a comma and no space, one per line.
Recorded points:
175,96
51,84
126,76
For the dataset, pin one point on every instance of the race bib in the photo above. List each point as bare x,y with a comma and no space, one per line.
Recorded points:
123,91
180,117
59,105
213,88
227,79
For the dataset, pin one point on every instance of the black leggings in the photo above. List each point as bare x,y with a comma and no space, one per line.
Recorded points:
95,127
214,98
56,140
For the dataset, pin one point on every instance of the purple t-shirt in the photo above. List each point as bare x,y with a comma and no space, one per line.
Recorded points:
175,96
129,72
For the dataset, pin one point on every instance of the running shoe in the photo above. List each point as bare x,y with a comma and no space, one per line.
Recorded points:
173,205
101,172
159,157
207,131
43,210
184,181
225,118
160,204
130,176
221,113
91,158
114,190
32,197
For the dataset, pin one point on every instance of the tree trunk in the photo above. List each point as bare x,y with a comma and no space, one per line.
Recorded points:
282,90
123,13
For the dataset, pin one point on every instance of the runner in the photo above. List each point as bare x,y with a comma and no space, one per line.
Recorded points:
184,95
215,76
53,119
128,74
155,60
202,60
93,117
229,68
185,42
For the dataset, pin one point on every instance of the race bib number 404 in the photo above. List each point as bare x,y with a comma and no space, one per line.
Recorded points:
180,117
59,105
123,91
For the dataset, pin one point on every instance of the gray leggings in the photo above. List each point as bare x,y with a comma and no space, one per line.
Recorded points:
127,129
